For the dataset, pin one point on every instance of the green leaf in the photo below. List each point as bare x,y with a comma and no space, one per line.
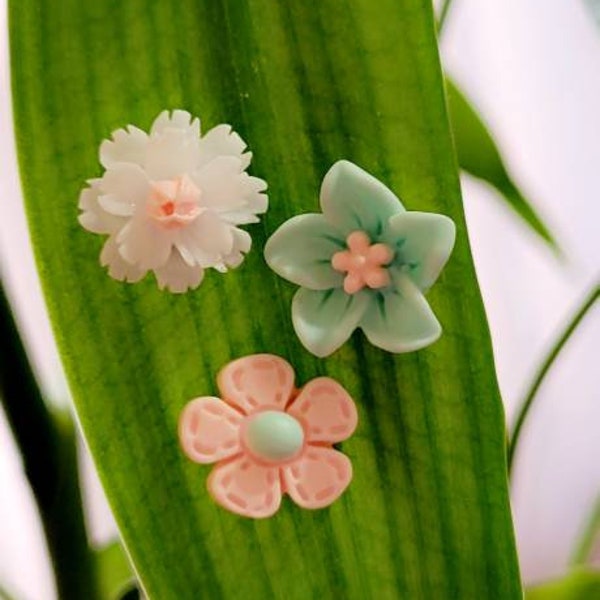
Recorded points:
478,155
112,570
578,585
306,83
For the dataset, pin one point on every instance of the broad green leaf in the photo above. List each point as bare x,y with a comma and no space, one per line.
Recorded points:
478,155
578,585
112,570
306,83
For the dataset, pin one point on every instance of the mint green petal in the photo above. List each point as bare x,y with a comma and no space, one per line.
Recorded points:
352,199
324,320
423,241
301,250
401,320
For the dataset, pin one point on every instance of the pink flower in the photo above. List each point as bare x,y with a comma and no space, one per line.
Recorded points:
268,438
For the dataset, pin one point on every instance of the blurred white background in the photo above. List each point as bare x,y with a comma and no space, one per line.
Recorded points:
533,70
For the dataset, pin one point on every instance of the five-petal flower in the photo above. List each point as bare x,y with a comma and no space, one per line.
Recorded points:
170,201
365,262
269,438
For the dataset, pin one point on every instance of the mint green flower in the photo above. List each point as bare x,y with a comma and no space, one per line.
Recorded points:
364,263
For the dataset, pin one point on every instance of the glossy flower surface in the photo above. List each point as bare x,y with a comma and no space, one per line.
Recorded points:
270,439
365,262
171,201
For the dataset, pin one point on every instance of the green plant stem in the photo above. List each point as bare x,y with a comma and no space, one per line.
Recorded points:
585,544
543,370
49,452
443,15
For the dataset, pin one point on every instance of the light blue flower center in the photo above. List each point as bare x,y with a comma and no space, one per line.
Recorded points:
274,436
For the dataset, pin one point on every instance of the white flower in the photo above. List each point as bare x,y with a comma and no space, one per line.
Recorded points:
171,201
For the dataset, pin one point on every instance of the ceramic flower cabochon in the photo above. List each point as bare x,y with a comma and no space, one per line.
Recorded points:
365,262
171,201
268,438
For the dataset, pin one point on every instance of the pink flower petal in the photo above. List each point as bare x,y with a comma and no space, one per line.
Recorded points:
326,411
257,381
318,478
209,430
246,488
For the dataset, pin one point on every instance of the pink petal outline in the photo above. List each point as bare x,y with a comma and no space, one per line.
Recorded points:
257,382
326,411
209,430
318,478
246,487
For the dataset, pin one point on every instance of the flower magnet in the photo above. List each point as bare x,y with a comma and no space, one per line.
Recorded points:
365,262
171,201
268,439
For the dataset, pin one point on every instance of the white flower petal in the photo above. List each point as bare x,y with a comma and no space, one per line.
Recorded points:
178,119
118,268
127,145
128,185
177,276
94,218
143,244
171,154
235,195
242,242
223,141
206,241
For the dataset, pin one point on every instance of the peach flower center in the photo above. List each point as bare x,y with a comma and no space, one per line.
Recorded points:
174,203
364,263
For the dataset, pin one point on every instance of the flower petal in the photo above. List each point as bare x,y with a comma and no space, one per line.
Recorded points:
127,186
255,202
401,320
242,242
246,488
223,141
301,251
352,199
178,119
424,241
171,154
209,430
143,244
206,241
118,267
127,145
326,411
257,381
222,184
177,276
94,218
324,320
318,478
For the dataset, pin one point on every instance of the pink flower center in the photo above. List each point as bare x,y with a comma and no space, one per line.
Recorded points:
174,203
363,263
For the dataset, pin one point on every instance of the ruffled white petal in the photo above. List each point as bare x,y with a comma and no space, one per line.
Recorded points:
94,218
143,244
177,276
255,202
128,186
242,242
127,145
118,268
232,193
223,141
206,241
171,153
177,119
